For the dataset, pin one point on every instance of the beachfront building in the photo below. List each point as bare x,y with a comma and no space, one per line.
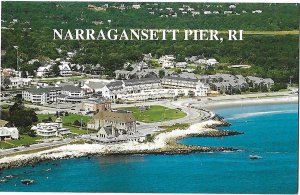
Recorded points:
179,82
122,120
109,132
258,82
136,85
153,94
7,133
96,105
51,129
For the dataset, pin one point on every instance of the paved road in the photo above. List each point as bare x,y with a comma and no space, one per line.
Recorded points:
4,152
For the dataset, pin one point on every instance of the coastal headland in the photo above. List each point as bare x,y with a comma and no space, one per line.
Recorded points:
162,142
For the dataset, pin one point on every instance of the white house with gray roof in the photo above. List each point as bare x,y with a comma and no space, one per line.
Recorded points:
72,91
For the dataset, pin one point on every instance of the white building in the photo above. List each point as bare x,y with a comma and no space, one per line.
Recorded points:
257,11
167,64
167,61
181,65
16,82
201,89
8,133
136,6
212,61
72,91
227,12
51,129
43,71
64,69
41,95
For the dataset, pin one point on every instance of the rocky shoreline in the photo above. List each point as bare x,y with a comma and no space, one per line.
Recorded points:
171,147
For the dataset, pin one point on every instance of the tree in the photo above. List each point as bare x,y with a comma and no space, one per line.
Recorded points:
47,119
161,73
129,68
55,70
23,74
19,116
77,123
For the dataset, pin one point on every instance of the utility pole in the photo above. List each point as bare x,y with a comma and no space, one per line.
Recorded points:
18,68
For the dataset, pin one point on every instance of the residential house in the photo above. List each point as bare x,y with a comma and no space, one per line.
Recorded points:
17,82
181,65
7,133
43,71
64,69
167,61
122,74
268,82
136,6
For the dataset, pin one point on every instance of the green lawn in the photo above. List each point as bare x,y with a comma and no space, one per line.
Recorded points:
67,120
77,130
24,140
5,145
155,114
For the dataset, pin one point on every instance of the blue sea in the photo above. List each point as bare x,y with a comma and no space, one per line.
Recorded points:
271,131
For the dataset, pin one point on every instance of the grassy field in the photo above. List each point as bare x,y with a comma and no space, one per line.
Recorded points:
67,120
78,131
155,114
24,140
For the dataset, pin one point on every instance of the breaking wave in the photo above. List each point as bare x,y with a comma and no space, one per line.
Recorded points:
245,115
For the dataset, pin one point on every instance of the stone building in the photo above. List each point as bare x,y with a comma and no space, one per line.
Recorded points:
122,120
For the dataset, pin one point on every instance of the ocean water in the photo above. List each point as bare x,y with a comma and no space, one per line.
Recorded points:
271,131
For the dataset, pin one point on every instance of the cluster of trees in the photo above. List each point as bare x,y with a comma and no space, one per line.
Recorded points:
271,56
19,116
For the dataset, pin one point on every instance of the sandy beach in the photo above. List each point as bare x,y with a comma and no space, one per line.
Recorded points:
223,103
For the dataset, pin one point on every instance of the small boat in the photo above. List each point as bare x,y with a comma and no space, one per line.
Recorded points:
27,181
3,180
48,169
8,176
254,157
